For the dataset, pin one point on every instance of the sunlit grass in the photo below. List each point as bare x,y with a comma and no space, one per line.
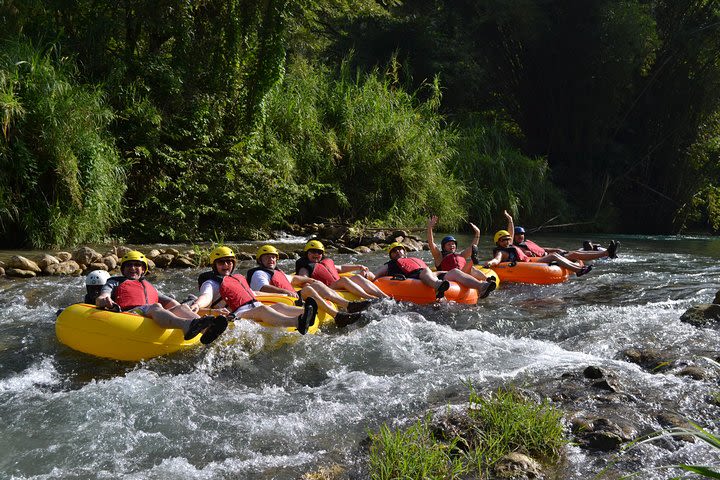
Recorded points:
500,424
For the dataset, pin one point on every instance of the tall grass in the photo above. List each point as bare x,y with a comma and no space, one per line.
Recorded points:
498,176
413,453
62,181
506,422
503,423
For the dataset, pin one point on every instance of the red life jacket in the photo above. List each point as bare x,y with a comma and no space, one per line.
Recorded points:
325,271
236,292
521,257
133,293
535,249
278,278
405,265
450,261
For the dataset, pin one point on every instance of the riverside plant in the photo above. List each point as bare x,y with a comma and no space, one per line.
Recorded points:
503,423
695,431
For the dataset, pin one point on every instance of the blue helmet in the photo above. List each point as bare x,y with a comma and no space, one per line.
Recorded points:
447,239
519,230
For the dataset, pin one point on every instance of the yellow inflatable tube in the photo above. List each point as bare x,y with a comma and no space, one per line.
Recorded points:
119,336
271,299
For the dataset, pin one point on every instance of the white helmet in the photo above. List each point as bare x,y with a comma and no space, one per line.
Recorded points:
97,277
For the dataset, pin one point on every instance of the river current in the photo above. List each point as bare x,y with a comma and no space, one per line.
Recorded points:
257,404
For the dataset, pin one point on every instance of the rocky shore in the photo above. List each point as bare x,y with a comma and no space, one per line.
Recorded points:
339,238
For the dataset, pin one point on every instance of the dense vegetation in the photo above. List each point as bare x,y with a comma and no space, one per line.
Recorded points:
170,120
496,426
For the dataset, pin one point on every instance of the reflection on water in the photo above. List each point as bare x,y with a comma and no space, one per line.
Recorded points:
254,406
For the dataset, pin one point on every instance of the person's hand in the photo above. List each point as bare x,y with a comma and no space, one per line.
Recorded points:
432,221
292,293
507,215
105,302
475,228
194,307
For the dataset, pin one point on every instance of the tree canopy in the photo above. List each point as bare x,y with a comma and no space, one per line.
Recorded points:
172,120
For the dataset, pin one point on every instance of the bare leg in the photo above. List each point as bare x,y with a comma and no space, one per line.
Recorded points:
429,278
345,284
368,286
468,268
323,305
466,280
166,319
183,311
586,255
327,293
271,316
562,261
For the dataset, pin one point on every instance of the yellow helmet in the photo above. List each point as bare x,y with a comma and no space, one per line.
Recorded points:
134,255
315,245
393,246
501,233
265,249
221,252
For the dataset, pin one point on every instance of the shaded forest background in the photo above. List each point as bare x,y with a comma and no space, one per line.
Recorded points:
171,120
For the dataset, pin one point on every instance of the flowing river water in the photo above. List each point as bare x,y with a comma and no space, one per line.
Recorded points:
258,405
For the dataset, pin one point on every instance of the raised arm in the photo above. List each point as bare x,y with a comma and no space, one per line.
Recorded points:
467,253
510,226
436,253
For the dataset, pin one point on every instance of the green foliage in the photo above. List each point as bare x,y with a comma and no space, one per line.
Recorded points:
366,149
507,422
693,432
501,424
413,453
62,180
500,177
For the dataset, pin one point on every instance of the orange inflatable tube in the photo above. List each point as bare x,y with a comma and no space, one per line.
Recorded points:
413,290
532,272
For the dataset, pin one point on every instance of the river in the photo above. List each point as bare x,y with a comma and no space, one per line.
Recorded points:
254,405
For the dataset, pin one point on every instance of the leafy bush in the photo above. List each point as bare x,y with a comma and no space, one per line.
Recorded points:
62,181
365,149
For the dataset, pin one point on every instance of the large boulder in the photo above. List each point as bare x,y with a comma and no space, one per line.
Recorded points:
602,434
18,262
181,261
46,260
716,301
86,256
518,466
152,254
63,256
111,261
163,260
2,271
95,266
20,273
705,315
69,267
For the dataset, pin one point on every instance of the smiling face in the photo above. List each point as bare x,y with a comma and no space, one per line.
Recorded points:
504,241
269,260
519,237
224,266
449,247
132,269
397,252
314,255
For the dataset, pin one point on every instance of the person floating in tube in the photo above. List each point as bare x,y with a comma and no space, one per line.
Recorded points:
220,288
132,292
